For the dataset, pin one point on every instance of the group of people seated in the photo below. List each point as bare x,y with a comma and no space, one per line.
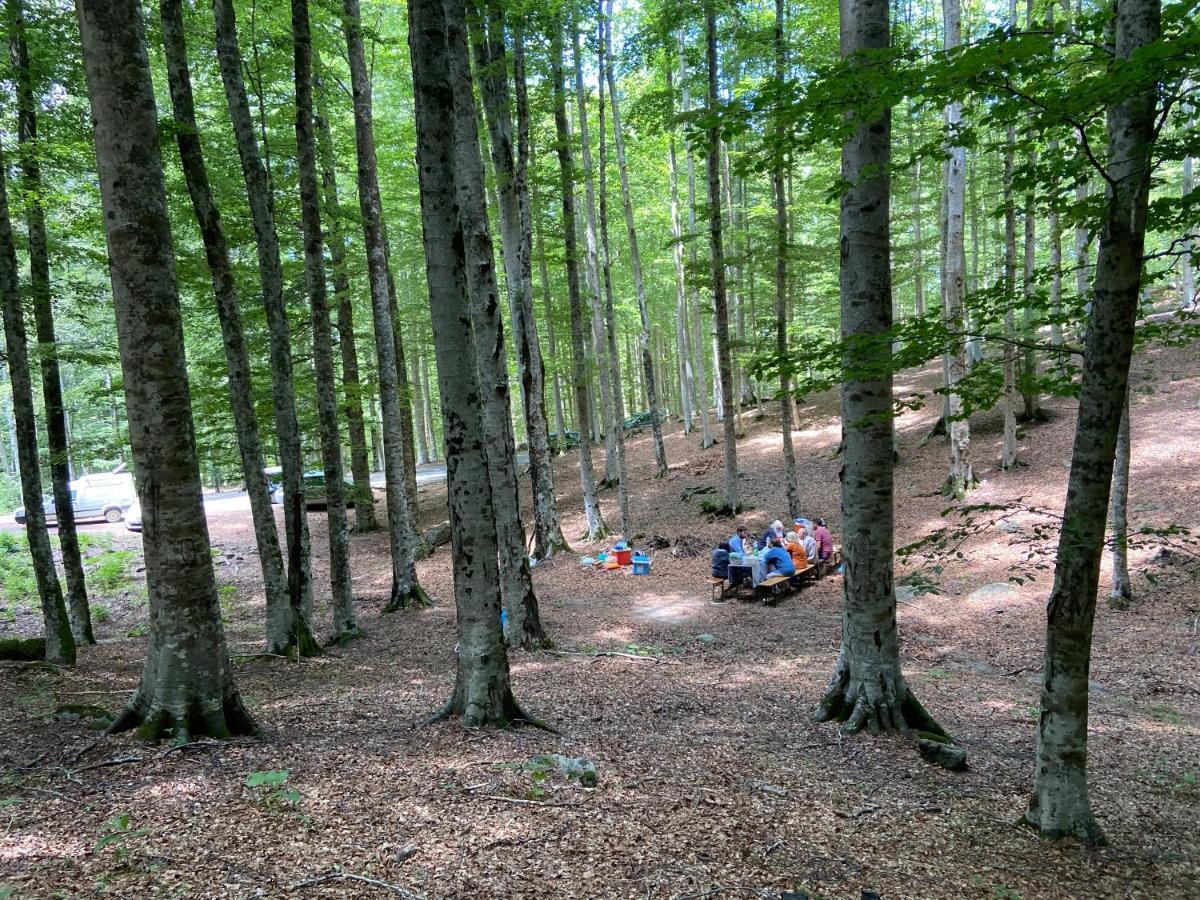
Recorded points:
775,552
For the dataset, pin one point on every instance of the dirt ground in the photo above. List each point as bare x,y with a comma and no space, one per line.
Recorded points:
711,780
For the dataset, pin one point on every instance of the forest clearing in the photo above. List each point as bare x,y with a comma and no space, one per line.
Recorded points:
710,774
469,448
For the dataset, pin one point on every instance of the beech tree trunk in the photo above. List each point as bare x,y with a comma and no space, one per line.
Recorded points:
635,259
283,396
187,689
60,644
779,195
344,625
606,409
612,356
402,517
961,478
1008,451
1187,281
293,621
43,315
516,231
516,583
868,688
1059,804
360,466
596,529
1122,590
720,307
482,692
420,426
702,337
1082,271
682,314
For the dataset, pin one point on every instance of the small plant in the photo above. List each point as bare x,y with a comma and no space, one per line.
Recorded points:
100,613
136,631
110,570
116,831
269,788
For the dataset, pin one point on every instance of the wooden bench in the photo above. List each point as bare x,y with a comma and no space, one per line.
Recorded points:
773,587
717,586
826,566
807,575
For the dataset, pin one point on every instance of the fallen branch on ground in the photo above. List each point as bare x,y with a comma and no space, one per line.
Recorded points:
347,876
501,799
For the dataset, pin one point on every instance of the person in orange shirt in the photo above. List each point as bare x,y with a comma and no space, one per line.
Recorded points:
795,549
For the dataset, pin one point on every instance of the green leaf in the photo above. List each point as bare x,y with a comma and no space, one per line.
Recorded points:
267,779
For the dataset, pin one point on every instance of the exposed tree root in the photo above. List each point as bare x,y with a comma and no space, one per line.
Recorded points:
184,719
598,534
956,487
547,549
301,642
886,705
413,598
938,430
345,635
1083,827
503,712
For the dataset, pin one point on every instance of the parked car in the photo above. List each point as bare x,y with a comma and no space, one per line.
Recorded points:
314,490
638,421
93,497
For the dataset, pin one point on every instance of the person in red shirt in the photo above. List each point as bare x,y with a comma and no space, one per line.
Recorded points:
823,538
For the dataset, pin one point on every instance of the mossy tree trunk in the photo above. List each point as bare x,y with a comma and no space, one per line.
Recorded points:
60,644
43,316
406,590
283,626
1060,804
596,529
241,389
720,306
868,688
482,692
187,689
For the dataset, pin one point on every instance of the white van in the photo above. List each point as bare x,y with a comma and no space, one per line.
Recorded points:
92,497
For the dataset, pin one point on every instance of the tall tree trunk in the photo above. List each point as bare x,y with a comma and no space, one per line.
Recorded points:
551,337
1082,270
402,516
408,438
702,337
961,478
682,315
516,583
516,231
611,426
1008,451
610,319
187,688
420,427
360,467
482,693
778,170
1122,590
868,688
43,315
1029,374
294,624
1059,804
635,259
596,529
280,624
918,250
720,307
344,625
60,644
1187,281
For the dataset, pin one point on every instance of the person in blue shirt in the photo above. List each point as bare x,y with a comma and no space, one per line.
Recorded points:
777,561
740,542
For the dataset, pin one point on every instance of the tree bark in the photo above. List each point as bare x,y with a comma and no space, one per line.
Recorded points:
360,466
868,688
420,426
293,626
482,692
402,516
187,689
605,410
516,232
596,529
682,313
1122,591
344,624
701,336
283,395
516,583
1059,804
720,307
1187,281
43,314
635,259
1008,451
60,644
962,477
612,356
779,195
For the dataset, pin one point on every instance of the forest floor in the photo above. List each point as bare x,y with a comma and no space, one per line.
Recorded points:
711,780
